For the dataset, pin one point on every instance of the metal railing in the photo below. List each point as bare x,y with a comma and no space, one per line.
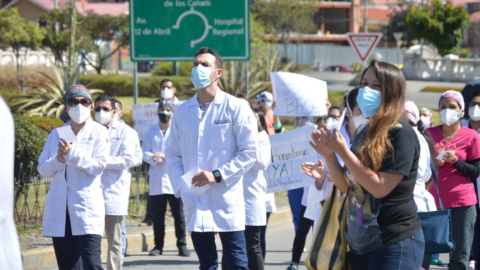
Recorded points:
31,190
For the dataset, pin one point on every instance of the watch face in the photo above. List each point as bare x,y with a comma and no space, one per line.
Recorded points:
216,174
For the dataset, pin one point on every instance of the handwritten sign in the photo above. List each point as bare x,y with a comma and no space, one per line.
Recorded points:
145,116
298,95
289,151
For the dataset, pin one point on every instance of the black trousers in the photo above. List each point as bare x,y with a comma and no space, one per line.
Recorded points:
159,207
78,252
254,249
263,242
304,225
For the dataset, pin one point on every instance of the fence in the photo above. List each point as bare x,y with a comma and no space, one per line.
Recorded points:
328,54
442,69
31,191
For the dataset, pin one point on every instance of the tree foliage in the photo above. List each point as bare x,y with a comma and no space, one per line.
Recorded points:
105,28
398,22
441,24
284,17
17,33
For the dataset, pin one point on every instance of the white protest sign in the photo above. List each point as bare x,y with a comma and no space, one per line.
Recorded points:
289,151
298,95
145,116
364,43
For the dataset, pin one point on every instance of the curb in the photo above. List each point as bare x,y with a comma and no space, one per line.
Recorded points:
438,89
137,242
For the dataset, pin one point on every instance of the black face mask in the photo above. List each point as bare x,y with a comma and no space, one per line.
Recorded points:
164,117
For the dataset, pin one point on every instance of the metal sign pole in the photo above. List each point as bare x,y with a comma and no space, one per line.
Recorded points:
135,82
246,79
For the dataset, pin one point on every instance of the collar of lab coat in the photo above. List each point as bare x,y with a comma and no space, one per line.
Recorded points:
219,98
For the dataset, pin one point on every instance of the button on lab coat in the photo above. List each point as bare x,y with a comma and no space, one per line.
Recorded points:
224,138
125,153
9,247
81,189
155,141
255,184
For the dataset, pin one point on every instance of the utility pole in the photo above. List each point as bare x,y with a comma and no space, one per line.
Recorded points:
365,19
246,79
421,41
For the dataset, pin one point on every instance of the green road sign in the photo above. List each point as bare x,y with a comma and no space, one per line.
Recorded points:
173,30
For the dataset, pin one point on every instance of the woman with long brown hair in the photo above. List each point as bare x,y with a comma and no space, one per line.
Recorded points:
383,228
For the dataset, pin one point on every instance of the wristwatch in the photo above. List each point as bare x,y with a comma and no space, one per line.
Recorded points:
218,176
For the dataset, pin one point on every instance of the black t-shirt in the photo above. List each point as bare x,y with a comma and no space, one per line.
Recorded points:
374,223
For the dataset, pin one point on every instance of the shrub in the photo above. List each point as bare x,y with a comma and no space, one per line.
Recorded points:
29,142
166,69
117,85
31,75
45,123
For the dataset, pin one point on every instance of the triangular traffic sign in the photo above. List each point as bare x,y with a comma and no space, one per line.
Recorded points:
364,43
398,36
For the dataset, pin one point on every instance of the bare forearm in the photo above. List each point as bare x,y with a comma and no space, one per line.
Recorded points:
336,173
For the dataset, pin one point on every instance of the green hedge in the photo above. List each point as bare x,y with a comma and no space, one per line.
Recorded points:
29,142
118,85
166,69
44,123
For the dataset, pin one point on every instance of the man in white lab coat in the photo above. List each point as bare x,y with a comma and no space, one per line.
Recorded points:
75,156
212,144
9,247
160,188
125,153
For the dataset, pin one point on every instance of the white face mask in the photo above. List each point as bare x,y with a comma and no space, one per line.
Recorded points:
79,113
103,117
425,121
116,117
268,105
474,113
359,120
167,93
449,116
332,124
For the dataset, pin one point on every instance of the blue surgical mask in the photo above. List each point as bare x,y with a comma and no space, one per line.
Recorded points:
201,76
369,101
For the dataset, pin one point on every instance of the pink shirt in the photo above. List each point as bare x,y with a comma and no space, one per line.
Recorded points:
456,190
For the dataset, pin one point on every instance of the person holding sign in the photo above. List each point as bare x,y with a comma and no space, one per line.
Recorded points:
458,150
75,156
213,143
161,192
125,153
383,229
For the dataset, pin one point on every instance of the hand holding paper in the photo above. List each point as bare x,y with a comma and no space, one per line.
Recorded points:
66,133
188,177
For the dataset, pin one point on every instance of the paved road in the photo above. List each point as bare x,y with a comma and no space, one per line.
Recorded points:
279,243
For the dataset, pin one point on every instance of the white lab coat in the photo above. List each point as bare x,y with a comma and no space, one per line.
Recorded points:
81,189
423,199
315,196
224,137
155,141
255,184
9,247
125,153
271,207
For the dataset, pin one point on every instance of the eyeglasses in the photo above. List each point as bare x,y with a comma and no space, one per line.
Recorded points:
334,116
73,102
98,109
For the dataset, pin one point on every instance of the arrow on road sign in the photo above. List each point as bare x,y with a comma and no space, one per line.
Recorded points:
364,43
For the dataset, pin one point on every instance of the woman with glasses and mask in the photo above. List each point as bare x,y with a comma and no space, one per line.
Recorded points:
75,156
383,228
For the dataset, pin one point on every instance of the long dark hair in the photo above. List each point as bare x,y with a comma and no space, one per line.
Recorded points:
376,143
261,116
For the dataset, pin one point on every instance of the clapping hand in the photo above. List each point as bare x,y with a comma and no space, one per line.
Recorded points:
327,143
450,156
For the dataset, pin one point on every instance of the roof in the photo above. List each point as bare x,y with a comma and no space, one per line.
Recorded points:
83,7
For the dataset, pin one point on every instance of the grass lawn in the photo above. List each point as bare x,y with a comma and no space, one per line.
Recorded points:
127,102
